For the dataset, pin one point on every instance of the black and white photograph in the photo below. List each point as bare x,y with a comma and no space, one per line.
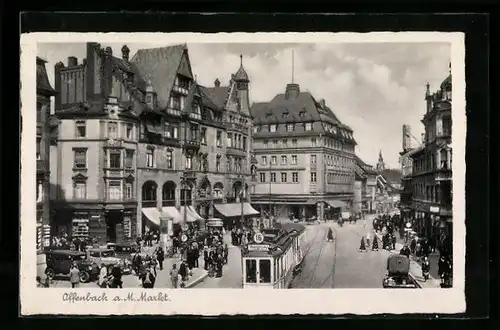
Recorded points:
262,163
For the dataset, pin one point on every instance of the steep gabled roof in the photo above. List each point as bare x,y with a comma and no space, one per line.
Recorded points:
215,95
160,65
42,80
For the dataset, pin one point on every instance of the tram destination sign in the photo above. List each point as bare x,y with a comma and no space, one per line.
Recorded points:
258,247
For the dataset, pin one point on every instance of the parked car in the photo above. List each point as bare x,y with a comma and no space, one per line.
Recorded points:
125,251
108,258
398,273
60,261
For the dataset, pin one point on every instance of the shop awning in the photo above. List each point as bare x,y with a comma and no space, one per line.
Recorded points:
249,210
152,214
336,203
215,222
171,212
189,213
234,209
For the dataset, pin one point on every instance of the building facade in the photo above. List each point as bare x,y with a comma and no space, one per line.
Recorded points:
46,134
367,178
432,168
141,142
305,157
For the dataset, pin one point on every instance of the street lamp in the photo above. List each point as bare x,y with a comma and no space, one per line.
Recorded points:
242,195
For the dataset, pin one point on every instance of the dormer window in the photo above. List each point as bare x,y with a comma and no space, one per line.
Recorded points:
308,126
285,114
272,128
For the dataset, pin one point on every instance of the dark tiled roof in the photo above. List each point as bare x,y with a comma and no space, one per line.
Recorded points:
368,169
160,65
446,84
303,108
215,95
241,74
42,79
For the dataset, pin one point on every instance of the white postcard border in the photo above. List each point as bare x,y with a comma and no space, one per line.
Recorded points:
233,301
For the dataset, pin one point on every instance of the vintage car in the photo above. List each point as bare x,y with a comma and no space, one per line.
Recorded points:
398,273
60,261
108,258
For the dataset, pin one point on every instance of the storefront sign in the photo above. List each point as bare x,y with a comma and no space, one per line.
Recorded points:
184,238
258,248
434,209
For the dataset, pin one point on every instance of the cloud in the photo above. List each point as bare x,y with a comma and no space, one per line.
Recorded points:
374,88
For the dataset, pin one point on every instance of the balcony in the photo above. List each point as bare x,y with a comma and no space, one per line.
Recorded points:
193,144
236,126
189,174
180,90
444,134
194,116
173,112
169,141
114,143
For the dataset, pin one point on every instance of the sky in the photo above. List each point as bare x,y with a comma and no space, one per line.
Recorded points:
374,88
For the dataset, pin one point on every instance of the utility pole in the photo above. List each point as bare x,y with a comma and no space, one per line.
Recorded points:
270,185
185,117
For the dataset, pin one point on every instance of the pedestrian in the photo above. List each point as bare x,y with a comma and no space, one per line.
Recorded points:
74,276
174,276
368,237
206,258
116,272
148,279
226,254
183,270
362,246
103,277
160,256
375,244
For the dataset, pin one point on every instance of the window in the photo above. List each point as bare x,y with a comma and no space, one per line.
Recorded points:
256,129
295,177
265,143
290,127
283,177
176,103
274,160
283,160
128,131
313,142
203,135
189,162
81,129
294,142
275,143
80,158
294,159
150,158
80,190
129,158
264,160
251,270
80,227
169,158
128,190
112,130
217,164
308,126
285,142
272,128
114,190
262,177
313,177
244,143
230,140
115,159
273,177
265,271
313,159
219,139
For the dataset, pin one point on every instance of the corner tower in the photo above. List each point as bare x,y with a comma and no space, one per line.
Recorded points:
242,81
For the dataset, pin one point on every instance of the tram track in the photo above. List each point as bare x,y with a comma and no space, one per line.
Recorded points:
309,277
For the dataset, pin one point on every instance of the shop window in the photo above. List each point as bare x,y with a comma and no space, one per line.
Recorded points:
80,227
265,271
251,270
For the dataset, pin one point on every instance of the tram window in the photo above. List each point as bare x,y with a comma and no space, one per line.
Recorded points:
265,270
251,271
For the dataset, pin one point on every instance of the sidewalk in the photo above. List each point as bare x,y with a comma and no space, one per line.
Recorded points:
415,268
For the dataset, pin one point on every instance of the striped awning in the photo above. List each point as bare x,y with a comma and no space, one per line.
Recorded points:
152,214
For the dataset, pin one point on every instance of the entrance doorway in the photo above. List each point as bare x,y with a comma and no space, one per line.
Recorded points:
114,222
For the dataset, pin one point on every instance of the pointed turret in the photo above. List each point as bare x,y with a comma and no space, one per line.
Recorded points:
380,164
241,75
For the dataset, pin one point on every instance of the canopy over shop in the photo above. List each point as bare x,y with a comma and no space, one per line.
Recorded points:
233,211
153,218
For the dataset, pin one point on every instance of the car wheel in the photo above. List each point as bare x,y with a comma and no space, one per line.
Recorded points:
84,277
50,273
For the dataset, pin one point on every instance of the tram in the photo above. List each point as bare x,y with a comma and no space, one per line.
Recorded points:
273,257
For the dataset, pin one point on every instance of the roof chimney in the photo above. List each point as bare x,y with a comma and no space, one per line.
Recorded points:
322,103
217,82
125,53
72,61
292,91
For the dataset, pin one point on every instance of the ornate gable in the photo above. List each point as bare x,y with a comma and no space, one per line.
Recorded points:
185,67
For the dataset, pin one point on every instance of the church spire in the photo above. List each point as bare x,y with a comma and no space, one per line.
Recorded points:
380,164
